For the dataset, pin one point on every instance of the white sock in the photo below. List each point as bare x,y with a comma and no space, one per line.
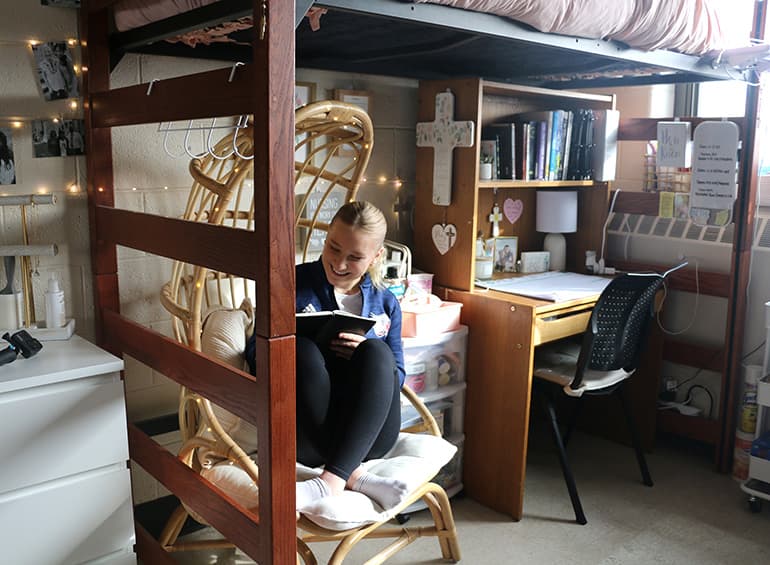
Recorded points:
311,490
384,491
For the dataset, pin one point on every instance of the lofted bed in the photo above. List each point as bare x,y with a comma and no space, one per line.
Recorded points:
388,37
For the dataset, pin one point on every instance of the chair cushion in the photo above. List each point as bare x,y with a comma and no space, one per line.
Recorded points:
557,363
414,459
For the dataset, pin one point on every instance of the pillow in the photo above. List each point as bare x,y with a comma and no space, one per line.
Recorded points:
224,338
414,459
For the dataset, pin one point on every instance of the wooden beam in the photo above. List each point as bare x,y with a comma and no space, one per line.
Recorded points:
706,357
172,99
220,248
224,385
646,129
149,550
218,509
713,284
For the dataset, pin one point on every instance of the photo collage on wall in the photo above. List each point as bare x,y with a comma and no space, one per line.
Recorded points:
58,138
55,70
7,161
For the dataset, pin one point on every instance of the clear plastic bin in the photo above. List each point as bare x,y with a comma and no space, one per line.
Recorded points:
435,361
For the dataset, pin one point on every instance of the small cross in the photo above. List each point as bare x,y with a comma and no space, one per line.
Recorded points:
451,233
444,134
495,217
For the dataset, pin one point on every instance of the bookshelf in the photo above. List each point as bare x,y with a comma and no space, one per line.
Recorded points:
484,103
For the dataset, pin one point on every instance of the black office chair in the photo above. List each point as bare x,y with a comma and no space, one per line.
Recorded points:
608,355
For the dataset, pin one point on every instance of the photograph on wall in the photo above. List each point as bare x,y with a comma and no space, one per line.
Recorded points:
55,70
7,161
61,3
58,138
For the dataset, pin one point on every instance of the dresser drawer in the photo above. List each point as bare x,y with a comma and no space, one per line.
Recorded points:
61,429
69,521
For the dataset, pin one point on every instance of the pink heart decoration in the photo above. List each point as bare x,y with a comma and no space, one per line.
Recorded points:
513,209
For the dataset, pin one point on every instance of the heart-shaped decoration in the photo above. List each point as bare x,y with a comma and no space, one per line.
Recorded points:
444,237
513,209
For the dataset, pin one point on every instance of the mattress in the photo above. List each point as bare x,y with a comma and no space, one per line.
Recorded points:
686,26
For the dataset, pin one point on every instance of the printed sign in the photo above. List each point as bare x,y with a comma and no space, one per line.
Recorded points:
673,138
715,161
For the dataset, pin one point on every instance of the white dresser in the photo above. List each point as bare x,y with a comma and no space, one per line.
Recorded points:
65,489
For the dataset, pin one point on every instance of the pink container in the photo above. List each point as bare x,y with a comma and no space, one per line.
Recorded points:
437,321
421,282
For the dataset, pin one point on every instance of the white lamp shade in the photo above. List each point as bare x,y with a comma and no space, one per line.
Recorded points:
557,211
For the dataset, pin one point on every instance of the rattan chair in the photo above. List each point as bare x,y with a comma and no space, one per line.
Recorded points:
333,145
600,365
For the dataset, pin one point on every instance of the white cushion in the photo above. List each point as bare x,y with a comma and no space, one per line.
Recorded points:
224,338
414,459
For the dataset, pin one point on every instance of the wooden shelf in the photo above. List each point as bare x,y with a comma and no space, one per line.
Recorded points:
507,183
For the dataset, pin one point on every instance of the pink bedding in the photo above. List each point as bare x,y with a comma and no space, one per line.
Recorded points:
687,26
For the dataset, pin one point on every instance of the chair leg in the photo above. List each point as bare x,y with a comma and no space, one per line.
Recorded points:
573,419
580,517
646,478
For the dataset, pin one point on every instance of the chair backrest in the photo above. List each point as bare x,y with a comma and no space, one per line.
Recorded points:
619,324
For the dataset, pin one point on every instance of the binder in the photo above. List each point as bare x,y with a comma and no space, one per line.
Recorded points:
506,136
605,144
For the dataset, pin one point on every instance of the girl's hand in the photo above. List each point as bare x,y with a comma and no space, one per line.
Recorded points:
345,344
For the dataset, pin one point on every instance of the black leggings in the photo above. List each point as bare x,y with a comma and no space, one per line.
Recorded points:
348,411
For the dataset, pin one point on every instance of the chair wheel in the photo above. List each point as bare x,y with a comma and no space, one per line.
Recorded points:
755,504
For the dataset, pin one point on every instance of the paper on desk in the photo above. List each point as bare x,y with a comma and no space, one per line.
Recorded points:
554,285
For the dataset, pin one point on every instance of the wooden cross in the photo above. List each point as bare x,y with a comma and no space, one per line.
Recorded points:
444,134
495,217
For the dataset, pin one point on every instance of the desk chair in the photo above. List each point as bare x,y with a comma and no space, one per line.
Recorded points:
601,364
333,143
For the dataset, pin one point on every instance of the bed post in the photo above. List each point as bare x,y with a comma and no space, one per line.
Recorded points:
274,325
99,176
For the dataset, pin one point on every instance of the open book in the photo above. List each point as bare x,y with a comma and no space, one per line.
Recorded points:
324,326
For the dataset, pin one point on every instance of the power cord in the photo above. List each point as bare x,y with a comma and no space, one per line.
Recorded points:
689,397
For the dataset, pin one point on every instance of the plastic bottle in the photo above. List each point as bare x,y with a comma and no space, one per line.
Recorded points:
748,409
393,283
54,305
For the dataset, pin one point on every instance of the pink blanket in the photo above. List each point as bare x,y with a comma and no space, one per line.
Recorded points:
687,26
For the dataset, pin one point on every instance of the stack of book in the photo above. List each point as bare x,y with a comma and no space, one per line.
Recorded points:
553,145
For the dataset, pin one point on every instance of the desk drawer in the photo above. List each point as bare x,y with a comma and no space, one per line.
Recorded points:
557,327
62,429
68,521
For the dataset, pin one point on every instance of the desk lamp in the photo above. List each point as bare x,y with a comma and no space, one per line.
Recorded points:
557,213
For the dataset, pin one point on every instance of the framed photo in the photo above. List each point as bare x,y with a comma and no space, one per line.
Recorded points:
506,251
361,98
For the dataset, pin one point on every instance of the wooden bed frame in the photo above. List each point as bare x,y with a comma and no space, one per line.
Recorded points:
265,88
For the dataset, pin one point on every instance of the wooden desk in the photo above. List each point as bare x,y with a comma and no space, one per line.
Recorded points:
504,330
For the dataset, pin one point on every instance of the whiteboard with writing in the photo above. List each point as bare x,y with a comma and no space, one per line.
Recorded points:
673,138
715,162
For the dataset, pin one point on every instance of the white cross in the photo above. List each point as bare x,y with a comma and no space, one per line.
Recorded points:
495,217
444,134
